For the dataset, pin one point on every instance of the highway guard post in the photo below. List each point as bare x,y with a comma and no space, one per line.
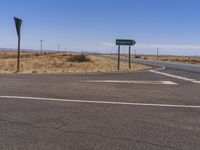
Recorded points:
126,42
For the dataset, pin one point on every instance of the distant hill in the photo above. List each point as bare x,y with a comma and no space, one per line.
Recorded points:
34,50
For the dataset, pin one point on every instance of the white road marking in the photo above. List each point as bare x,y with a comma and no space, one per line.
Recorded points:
159,69
175,76
133,82
100,102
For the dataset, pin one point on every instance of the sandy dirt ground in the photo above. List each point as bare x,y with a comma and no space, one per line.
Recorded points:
60,63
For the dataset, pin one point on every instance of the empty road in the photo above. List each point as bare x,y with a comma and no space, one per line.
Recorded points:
151,109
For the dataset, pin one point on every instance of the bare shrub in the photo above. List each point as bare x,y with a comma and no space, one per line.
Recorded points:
79,58
138,56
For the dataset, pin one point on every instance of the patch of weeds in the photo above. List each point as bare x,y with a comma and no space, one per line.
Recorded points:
79,58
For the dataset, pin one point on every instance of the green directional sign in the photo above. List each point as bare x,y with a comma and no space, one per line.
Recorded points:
125,42
121,42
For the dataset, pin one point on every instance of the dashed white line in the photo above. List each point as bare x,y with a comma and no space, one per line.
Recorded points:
100,102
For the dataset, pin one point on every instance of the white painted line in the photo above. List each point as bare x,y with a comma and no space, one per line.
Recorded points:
159,69
196,81
100,102
175,76
132,82
169,83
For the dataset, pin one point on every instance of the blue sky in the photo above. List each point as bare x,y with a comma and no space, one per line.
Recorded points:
93,25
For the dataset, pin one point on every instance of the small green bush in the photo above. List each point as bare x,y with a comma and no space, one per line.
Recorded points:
138,56
79,58
145,57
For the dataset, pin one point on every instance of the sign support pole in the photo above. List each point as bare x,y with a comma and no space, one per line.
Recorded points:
118,57
129,43
18,23
129,56
18,54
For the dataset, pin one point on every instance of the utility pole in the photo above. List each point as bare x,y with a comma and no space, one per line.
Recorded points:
157,53
58,47
41,44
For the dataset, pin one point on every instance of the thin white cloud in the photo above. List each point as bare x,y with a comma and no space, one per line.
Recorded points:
142,48
107,44
168,46
160,46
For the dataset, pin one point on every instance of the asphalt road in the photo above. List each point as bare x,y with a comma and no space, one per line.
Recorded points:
179,66
152,109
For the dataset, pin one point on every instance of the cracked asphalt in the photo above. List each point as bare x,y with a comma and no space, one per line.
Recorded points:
56,125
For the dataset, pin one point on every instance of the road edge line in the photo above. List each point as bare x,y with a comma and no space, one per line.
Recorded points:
101,102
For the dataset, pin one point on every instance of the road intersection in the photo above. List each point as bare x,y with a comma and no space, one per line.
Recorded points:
134,110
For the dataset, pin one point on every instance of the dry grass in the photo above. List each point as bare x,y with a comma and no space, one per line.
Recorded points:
181,59
59,63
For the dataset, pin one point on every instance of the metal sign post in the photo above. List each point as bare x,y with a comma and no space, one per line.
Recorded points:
130,43
118,57
129,57
18,23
